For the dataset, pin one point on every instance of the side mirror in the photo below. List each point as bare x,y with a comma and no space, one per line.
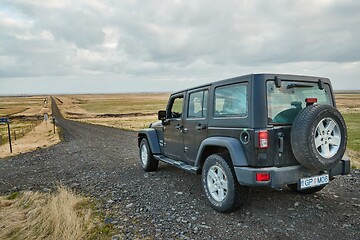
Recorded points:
162,115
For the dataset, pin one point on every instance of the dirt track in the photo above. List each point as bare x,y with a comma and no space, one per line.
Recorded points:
102,163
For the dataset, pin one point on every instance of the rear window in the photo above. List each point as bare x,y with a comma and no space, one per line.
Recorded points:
285,103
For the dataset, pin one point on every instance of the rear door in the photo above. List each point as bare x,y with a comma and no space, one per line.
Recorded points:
284,104
195,123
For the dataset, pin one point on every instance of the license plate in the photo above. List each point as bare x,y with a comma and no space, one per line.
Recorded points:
314,181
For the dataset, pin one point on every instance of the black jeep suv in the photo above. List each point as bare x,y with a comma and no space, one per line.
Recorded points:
254,130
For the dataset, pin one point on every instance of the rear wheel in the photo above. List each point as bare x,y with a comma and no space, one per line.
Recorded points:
220,184
147,160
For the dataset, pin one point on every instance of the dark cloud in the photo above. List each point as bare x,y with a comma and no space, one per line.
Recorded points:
202,40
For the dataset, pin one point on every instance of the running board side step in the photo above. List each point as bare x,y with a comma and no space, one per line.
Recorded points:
177,164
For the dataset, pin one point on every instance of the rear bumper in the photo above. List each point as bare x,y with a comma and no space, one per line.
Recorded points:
286,175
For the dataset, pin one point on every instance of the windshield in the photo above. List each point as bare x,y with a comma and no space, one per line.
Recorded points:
285,103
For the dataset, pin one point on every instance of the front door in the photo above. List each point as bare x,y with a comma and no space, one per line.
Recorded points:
173,130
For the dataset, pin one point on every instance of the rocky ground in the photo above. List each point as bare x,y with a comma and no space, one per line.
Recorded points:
102,163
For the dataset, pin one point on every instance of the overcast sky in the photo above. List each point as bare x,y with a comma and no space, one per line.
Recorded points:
103,46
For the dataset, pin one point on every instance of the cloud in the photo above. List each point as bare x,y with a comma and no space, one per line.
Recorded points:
149,41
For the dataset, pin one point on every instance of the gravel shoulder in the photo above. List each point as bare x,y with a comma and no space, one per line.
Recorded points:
102,163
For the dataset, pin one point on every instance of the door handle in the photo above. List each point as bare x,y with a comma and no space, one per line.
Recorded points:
200,127
179,127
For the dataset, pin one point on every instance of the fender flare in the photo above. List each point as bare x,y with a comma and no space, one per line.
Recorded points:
151,136
233,145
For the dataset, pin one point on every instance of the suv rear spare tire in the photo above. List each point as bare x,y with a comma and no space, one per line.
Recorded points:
318,137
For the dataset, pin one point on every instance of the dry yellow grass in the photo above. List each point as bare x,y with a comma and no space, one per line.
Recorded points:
41,136
35,215
348,103
23,113
89,108
126,123
26,106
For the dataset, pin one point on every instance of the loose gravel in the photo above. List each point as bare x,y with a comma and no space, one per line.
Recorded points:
102,163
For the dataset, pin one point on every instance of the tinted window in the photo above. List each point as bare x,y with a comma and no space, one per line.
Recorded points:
285,103
197,104
231,101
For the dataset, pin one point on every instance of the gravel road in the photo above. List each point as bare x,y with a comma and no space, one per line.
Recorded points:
102,162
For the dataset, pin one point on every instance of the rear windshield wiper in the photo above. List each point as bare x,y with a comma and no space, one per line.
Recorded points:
299,85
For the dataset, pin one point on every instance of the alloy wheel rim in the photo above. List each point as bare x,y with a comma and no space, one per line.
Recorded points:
217,183
327,137
144,154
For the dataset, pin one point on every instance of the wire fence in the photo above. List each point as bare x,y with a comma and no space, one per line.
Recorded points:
16,133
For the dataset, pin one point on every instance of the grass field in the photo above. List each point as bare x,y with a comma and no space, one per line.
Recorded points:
125,111
349,106
25,114
19,108
126,103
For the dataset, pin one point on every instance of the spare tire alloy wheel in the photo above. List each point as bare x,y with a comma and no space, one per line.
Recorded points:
319,137
148,162
327,137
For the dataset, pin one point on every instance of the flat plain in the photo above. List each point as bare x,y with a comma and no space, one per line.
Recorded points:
125,111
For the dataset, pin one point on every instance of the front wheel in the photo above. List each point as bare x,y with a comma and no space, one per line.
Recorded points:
147,160
220,184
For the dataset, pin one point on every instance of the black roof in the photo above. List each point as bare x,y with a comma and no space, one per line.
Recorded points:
258,77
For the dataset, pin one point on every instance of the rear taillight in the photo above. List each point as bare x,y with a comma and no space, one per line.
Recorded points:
310,101
262,177
263,139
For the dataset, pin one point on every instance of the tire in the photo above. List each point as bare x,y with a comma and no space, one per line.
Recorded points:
294,188
147,160
319,137
220,184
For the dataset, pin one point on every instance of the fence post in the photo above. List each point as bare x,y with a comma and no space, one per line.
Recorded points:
9,133
54,122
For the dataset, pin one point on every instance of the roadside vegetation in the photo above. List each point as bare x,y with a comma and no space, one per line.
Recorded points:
59,215
29,131
24,114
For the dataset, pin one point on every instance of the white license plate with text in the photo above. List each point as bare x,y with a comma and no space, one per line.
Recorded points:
314,181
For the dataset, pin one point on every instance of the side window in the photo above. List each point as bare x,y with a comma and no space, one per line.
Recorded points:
231,101
197,104
176,107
